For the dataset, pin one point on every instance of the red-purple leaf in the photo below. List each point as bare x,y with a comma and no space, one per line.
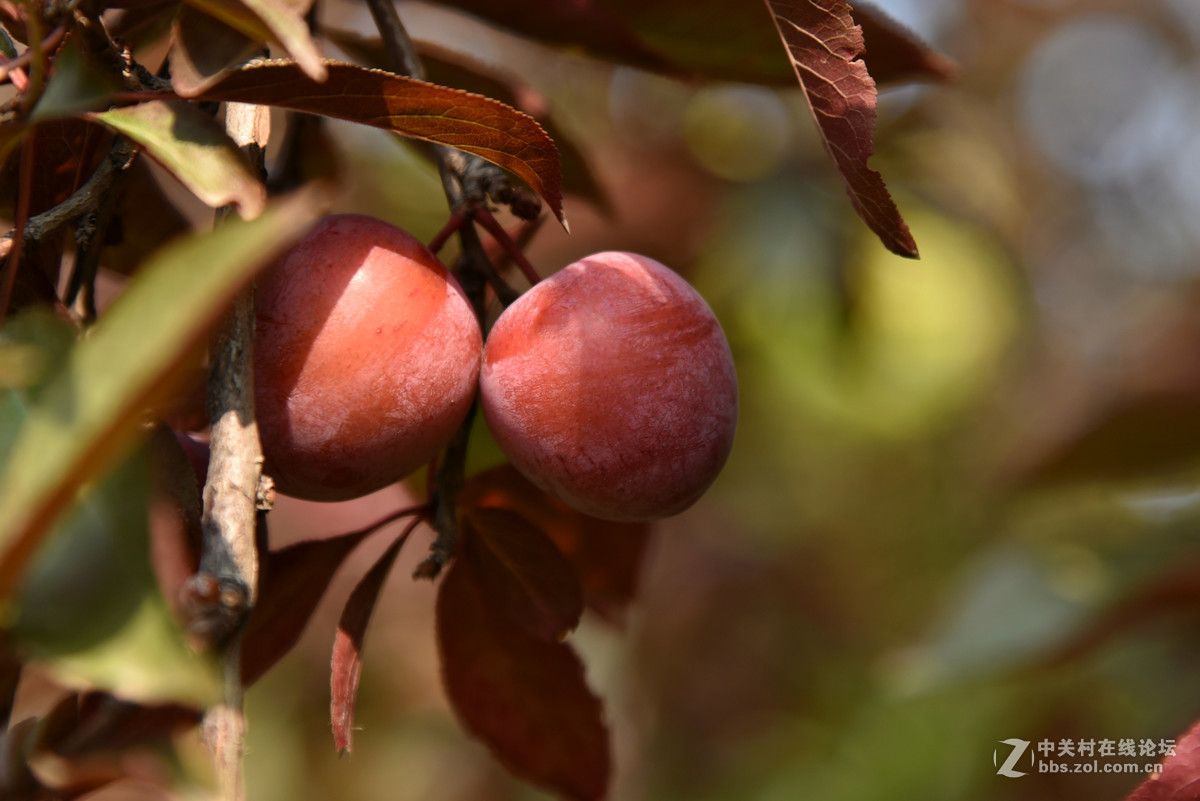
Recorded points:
606,555
466,71
1180,776
894,54
524,696
293,581
98,721
346,664
471,123
720,39
584,23
522,574
825,45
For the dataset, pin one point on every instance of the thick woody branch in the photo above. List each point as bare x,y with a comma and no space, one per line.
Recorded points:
224,589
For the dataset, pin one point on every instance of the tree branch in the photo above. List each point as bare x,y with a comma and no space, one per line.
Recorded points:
224,589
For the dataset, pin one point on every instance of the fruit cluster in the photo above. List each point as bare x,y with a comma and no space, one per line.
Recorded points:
610,384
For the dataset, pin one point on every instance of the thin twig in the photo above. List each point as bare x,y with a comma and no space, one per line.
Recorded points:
48,44
84,200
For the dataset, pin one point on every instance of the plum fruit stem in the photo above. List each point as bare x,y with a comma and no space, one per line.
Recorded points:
474,270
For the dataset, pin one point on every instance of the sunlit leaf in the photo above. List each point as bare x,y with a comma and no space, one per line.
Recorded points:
194,148
471,123
91,407
524,696
825,47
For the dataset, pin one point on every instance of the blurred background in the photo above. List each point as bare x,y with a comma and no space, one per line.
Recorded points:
962,505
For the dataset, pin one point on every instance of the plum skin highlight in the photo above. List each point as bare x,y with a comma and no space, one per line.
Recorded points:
366,359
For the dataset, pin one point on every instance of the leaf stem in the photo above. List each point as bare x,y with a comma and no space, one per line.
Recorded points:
493,227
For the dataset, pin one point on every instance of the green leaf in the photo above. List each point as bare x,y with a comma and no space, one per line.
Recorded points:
194,148
76,85
89,606
92,405
32,346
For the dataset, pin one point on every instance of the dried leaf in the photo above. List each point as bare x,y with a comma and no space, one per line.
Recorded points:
524,696
524,576
346,664
471,123
1180,776
195,149
825,45
606,555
